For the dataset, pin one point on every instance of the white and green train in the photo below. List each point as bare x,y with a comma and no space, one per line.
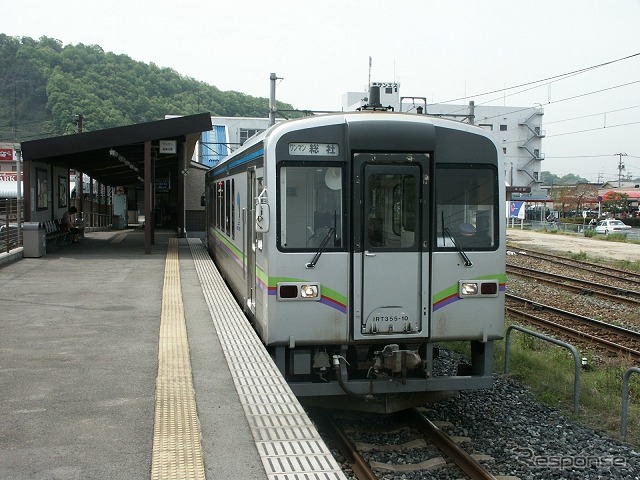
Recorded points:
357,243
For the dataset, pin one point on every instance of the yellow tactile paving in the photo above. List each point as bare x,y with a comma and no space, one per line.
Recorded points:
177,451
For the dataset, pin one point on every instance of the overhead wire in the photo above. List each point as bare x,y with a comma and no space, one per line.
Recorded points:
561,76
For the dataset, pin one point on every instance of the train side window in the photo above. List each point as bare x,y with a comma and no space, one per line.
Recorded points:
219,203
233,208
227,208
310,206
467,205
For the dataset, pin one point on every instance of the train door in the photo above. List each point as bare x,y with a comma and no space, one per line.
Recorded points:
250,242
389,279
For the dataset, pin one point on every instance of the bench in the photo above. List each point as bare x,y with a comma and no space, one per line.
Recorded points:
54,236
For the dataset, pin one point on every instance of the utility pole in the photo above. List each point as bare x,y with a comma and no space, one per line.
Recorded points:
79,119
620,166
18,152
272,99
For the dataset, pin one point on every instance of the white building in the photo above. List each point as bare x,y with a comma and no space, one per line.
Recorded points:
228,134
517,129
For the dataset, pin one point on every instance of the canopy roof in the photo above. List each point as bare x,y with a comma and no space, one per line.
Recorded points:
9,189
100,154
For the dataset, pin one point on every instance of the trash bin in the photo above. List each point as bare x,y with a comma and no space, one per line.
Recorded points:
117,222
34,242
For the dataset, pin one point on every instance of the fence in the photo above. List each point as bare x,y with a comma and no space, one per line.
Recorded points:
11,235
95,221
575,228
10,230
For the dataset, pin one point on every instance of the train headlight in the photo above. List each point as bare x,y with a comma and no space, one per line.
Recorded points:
468,288
478,288
309,291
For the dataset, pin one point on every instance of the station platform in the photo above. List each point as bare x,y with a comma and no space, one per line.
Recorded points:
117,364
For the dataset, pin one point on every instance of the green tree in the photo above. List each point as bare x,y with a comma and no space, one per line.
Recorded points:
44,84
615,202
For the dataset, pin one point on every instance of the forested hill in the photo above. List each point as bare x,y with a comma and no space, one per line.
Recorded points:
44,84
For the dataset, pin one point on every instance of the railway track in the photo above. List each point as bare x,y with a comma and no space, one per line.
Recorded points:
605,336
432,436
579,286
613,275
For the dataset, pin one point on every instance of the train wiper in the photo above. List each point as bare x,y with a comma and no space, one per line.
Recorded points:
321,248
467,262
445,230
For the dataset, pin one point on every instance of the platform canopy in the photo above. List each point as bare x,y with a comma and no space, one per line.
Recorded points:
123,157
115,156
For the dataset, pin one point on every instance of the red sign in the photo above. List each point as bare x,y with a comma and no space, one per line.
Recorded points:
8,177
6,154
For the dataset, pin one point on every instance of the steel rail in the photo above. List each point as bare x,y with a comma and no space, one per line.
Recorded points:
462,459
573,333
361,468
633,335
616,273
581,286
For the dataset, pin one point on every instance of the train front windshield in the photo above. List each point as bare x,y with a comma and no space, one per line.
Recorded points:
467,202
311,206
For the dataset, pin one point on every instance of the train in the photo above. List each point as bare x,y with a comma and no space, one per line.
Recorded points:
358,245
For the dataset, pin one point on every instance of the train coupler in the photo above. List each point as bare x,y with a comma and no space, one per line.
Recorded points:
392,359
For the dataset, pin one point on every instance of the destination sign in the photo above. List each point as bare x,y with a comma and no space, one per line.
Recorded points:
316,149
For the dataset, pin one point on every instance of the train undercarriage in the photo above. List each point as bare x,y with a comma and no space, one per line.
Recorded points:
380,378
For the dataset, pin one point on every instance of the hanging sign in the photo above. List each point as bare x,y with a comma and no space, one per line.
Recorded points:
168,146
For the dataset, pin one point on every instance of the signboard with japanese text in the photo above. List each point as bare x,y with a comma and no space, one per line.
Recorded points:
168,146
6,154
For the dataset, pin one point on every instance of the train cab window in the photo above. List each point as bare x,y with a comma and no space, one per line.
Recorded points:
310,207
467,206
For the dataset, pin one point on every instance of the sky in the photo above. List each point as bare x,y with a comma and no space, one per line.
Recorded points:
449,51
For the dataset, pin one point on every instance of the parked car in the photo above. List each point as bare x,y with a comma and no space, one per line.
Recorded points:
612,226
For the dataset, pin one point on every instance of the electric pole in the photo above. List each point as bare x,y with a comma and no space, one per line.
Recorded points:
79,119
272,99
620,166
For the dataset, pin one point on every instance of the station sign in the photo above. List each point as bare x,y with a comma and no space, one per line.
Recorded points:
168,146
518,189
163,183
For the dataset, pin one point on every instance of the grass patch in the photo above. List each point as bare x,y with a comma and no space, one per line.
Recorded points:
626,265
616,237
548,371
580,256
589,233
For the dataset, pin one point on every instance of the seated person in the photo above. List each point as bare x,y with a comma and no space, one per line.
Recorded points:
68,224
